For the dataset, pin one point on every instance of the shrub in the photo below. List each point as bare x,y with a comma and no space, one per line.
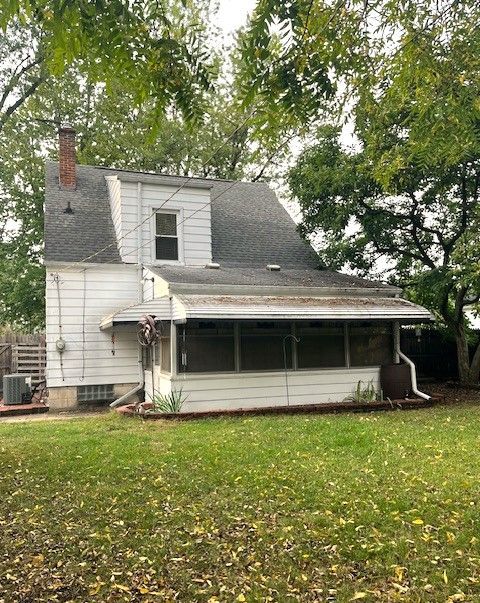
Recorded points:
364,393
168,403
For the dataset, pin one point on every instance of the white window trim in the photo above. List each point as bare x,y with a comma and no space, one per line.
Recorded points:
178,212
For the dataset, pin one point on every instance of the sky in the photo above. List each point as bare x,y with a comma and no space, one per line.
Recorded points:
233,14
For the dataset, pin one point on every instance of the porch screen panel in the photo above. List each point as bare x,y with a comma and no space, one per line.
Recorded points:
371,344
261,345
321,344
209,347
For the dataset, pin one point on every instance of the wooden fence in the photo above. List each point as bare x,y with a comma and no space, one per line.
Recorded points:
22,354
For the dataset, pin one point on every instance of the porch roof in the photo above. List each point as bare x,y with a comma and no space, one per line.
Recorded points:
327,308
268,307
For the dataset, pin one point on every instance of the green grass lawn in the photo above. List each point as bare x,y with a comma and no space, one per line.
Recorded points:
377,507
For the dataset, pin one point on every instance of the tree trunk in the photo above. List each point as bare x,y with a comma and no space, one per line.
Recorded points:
468,372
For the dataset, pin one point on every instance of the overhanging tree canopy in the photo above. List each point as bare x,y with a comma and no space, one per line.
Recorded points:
157,49
407,194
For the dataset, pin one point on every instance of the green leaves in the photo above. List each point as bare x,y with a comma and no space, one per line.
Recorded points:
404,203
135,43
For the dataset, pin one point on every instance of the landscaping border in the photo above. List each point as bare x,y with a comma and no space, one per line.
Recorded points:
326,408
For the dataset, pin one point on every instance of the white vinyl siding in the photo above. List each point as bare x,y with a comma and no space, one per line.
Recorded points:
192,206
114,195
88,352
254,390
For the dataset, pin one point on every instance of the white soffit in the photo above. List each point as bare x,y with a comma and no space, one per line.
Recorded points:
160,308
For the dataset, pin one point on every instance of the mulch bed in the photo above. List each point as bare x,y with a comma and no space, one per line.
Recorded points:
452,393
326,408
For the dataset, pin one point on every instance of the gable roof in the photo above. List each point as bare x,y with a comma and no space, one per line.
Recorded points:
250,229
249,225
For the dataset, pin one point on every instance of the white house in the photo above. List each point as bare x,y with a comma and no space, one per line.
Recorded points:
237,295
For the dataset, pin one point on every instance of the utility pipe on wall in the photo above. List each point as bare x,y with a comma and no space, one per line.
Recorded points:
406,359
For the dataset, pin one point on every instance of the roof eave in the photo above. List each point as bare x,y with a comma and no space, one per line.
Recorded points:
215,289
146,178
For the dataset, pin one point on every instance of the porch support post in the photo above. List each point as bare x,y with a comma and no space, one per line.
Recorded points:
236,343
396,341
294,346
173,349
346,339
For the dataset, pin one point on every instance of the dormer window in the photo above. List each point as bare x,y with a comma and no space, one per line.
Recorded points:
166,236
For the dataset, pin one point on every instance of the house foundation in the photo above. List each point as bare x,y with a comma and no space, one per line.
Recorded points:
66,398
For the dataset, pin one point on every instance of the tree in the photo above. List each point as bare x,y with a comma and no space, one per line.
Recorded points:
22,282
22,69
156,49
114,131
407,196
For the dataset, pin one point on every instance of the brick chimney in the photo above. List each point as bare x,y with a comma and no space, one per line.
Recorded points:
66,157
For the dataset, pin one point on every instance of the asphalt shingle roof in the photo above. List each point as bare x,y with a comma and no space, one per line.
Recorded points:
73,237
249,225
250,229
246,275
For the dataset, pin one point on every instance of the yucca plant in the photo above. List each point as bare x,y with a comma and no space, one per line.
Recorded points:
168,403
364,393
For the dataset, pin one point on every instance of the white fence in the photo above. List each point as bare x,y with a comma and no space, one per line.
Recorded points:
22,354
30,359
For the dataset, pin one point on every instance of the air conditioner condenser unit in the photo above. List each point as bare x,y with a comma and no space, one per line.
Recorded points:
15,389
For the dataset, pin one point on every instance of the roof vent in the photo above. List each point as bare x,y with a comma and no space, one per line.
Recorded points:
273,267
213,265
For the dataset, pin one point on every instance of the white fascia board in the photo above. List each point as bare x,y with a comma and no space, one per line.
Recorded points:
179,311
106,322
146,178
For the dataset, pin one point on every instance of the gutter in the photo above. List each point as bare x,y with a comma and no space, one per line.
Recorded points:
406,359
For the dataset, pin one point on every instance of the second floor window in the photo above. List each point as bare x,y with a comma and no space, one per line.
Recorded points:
166,237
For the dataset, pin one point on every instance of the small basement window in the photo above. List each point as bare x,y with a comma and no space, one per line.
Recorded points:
166,237
95,393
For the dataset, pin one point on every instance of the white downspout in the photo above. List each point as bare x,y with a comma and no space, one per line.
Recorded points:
406,359
141,375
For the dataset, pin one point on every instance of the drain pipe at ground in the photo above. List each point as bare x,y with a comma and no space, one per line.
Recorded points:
137,388
406,359
125,397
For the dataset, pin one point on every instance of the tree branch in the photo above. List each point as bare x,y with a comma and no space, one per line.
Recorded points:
271,157
28,92
464,210
16,78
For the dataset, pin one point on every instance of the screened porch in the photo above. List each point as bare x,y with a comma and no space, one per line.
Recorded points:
241,346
